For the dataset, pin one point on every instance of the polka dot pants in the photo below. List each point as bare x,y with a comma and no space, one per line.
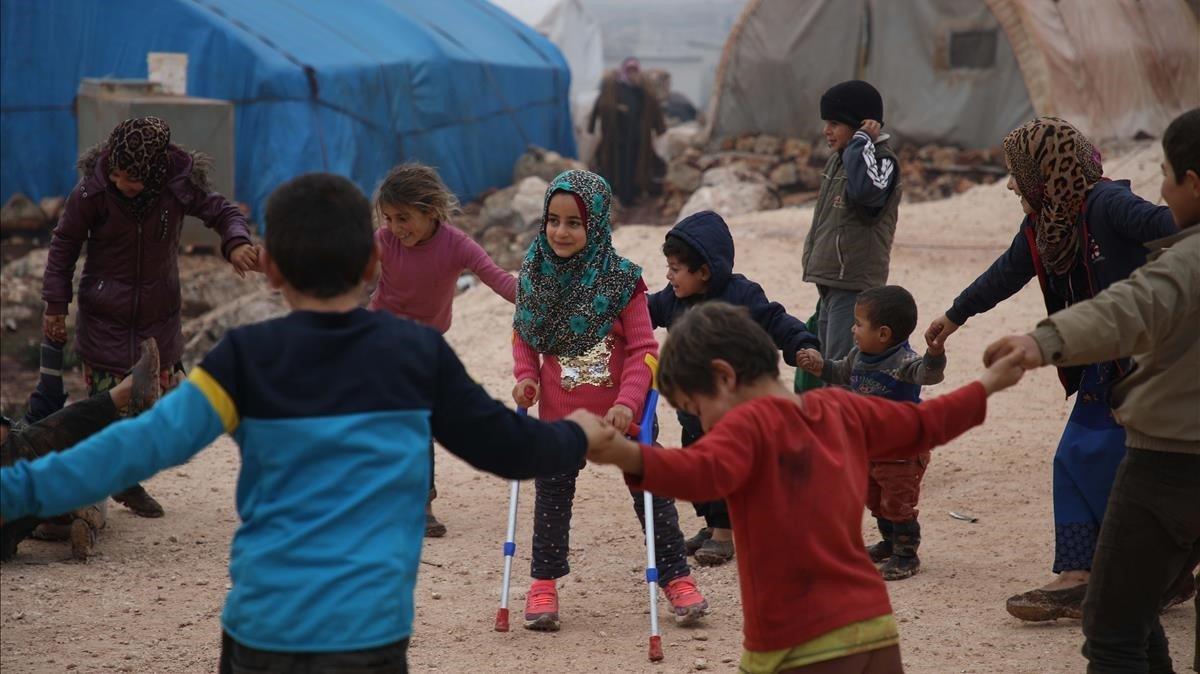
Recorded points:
552,530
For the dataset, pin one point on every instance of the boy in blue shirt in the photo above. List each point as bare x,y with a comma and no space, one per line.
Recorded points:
881,363
333,407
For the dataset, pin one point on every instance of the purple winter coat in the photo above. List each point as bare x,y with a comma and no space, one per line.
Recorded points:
130,285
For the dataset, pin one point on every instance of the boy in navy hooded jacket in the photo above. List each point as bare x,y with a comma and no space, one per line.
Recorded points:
699,252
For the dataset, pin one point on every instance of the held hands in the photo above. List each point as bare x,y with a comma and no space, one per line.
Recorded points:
619,417
526,393
871,127
939,330
54,327
1003,372
810,360
1029,354
245,258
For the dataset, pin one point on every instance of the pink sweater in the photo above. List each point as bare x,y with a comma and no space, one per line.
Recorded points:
419,282
614,372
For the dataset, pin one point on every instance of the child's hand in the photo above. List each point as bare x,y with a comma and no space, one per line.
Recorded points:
244,258
1026,346
810,360
1003,372
526,393
872,128
939,330
619,417
935,350
54,327
617,451
597,431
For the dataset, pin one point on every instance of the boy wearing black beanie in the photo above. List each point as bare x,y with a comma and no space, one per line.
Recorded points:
849,245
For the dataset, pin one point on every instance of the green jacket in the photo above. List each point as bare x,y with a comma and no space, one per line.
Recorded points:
849,245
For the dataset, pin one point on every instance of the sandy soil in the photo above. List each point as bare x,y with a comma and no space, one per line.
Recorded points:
149,601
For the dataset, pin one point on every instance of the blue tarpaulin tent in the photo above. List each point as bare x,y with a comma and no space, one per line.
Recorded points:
345,87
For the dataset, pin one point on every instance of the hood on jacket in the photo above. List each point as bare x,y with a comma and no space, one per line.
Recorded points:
709,235
196,166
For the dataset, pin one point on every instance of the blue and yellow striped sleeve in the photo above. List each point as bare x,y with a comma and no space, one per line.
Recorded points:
185,421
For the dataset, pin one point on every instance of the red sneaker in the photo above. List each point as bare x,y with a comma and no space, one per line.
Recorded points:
541,607
687,603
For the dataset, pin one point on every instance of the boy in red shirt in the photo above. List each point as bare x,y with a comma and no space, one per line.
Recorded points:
810,593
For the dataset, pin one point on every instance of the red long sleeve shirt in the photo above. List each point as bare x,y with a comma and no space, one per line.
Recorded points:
794,473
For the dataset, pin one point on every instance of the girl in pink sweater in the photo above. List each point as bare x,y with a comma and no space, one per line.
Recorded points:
582,334
421,257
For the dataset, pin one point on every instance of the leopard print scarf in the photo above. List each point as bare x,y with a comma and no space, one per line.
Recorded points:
139,147
565,307
1055,166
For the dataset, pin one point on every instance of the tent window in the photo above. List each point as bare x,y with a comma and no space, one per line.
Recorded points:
973,49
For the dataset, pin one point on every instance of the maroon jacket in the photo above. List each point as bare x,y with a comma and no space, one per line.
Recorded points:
130,285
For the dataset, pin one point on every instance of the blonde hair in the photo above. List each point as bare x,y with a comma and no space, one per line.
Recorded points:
418,186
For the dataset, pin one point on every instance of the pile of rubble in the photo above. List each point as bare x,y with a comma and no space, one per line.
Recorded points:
21,216
757,172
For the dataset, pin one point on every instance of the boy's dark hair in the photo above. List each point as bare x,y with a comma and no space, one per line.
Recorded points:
417,186
711,331
892,306
683,252
319,233
1181,143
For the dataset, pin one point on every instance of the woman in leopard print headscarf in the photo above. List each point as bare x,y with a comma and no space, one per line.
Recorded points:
1054,166
1080,234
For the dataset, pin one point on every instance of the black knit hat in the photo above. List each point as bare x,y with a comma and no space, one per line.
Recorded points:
851,103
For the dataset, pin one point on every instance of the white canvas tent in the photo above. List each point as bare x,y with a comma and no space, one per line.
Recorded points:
576,33
961,71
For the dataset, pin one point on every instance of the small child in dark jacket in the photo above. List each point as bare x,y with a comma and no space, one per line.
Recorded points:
699,252
883,364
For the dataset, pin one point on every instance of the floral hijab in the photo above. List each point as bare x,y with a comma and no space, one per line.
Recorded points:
566,306
139,147
1055,167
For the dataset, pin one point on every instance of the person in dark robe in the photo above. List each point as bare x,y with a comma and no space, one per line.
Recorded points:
629,113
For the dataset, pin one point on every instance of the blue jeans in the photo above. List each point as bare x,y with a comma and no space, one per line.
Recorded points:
835,320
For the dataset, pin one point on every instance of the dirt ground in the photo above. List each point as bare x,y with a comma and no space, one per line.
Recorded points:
149,601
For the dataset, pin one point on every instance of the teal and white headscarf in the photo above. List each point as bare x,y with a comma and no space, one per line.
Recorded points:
566,306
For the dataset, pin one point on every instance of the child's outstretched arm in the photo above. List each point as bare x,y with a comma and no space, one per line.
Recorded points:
472,256
711,468
219,214
869,180
492,437
892,430
184,422
789,333
527,371
925,370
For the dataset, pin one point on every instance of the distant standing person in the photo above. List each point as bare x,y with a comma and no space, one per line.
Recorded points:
849,246
629,114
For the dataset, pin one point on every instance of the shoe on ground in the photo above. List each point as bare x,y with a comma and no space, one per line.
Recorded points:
898,567
141,503
1043,605
541,607
1181,594
714,553
145,389
696,542
83,539
687,604
433,528
880,552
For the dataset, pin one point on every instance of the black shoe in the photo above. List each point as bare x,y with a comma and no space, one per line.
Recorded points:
433,528
880,552
898,568
141,503
696,542
714,553
1042,605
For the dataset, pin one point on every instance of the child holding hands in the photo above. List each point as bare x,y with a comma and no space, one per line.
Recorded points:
582,335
